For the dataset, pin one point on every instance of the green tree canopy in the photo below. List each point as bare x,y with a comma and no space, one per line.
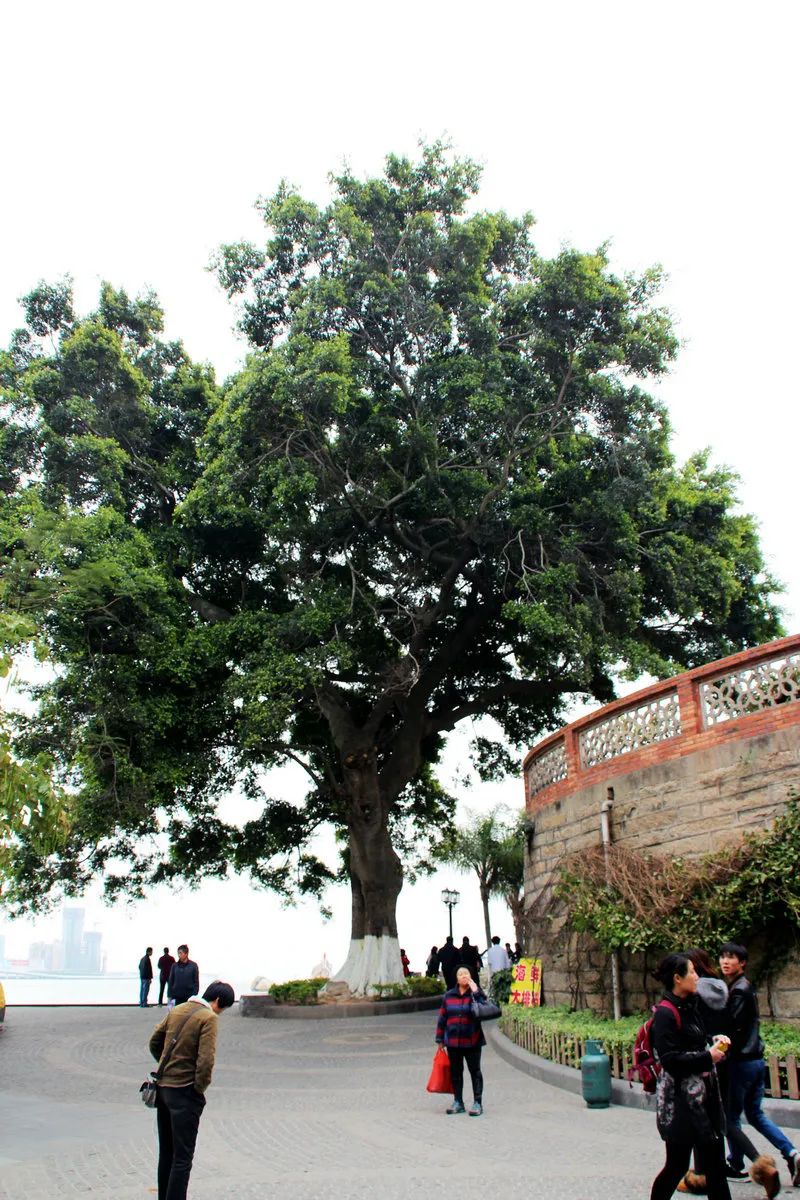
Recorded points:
437,490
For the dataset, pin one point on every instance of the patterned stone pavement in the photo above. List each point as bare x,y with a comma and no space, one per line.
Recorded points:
312,1110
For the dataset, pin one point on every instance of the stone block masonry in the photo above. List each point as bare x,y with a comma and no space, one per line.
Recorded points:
691,764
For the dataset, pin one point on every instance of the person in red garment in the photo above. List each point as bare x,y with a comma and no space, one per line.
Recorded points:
460,1032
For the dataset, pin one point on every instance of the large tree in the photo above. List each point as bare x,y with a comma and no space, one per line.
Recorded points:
437,490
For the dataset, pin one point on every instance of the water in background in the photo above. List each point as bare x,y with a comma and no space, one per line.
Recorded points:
89,989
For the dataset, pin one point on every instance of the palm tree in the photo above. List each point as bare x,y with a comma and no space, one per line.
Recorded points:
492,847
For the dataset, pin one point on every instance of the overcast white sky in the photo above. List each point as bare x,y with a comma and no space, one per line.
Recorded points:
135,140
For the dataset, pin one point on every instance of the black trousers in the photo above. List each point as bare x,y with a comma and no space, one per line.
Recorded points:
162,987
178,1113
712,1156
472,1058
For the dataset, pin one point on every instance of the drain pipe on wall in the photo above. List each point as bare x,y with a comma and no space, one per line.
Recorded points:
605,832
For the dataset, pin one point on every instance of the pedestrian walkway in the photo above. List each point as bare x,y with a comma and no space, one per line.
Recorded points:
312,1110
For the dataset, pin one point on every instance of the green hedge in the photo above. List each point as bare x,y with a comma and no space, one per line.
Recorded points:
297,991
618,1035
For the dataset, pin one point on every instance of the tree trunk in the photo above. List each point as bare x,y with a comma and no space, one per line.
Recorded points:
485,902
516,902
376,877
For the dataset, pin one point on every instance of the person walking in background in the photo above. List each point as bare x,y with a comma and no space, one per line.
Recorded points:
510,953
184,978
688,1104
188,1034
746,1079
165,965
432,965
712,1002
406,962
145,976
497,957
449,960
460,1032
470,958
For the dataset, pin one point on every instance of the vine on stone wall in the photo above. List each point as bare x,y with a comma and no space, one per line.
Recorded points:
651,903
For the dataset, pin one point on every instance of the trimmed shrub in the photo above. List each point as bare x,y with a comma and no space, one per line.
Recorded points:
297,991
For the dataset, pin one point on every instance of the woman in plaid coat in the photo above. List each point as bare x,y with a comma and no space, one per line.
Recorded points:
461,1034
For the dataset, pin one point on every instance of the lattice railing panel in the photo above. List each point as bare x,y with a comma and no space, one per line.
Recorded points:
547,768
751,689
656,721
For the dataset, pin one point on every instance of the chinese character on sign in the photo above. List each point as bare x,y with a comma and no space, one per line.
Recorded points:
526,983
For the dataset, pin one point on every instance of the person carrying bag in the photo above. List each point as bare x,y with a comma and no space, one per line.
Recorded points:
149,1089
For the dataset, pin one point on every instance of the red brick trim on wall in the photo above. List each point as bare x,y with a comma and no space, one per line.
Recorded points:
693,737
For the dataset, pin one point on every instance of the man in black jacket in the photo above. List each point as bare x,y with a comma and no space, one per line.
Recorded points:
145,976
184,978
746,1067
449,961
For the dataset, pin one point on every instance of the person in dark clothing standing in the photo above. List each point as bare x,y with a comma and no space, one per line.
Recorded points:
688,1104
432,965
449,960
184,978
165,965
460,1032
145,977
746,1079
470,958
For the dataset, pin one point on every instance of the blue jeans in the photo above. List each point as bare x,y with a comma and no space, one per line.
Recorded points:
144,988
745,1094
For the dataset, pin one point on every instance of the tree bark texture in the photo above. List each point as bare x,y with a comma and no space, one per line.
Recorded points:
376,878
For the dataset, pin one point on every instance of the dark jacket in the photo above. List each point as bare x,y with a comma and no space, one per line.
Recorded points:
470,958
145,967
456,1026
688,1106
165,965
450,960
743,1022
184,981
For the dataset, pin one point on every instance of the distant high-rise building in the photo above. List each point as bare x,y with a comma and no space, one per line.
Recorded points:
91,945
73,919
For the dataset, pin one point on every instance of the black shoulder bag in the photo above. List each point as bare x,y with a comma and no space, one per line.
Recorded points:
149,1089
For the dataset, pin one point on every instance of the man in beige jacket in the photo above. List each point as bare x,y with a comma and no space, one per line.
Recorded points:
188,1034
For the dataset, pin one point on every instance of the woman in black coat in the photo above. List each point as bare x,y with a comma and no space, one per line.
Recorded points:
688,1106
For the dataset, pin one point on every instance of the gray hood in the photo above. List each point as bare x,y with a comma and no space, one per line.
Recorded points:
713,992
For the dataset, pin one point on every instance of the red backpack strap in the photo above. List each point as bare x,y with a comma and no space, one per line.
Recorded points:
669,1004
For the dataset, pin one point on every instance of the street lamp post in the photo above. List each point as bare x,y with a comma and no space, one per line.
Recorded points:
451,899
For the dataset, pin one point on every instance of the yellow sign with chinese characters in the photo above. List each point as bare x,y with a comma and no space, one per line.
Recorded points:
526,982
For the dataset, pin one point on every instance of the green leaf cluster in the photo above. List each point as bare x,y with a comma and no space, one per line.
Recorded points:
749,891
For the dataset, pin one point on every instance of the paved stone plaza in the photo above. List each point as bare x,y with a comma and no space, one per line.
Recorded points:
307,1110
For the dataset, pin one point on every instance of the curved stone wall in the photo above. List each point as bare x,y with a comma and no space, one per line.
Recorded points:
688,765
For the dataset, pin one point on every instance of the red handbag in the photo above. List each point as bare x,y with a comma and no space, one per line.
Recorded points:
440,1080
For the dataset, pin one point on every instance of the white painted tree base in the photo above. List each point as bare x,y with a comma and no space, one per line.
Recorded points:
371,960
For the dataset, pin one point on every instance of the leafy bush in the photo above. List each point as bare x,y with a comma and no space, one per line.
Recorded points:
619,1035
500,987
424,985
627,899
297,991
389,991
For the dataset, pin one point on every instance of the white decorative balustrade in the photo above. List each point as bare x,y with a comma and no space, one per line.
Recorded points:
750,689
548,767
689,711
633,728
